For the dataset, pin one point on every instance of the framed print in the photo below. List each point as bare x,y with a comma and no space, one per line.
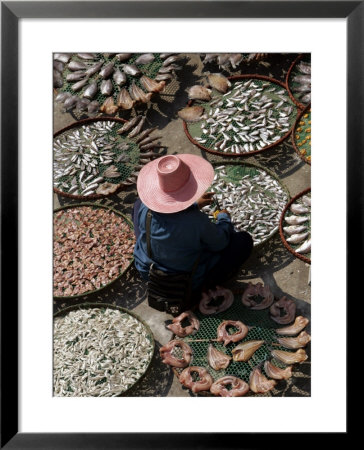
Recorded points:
34,36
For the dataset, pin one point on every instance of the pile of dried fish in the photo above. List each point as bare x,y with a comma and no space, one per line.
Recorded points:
95,159
297,225
98,352
255,202
110,82
91,246
300,82
252,115
231,61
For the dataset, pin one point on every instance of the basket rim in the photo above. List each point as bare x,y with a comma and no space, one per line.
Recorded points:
87,305
293,133
77,124
293,98
285,243
129,222
270,172
254,152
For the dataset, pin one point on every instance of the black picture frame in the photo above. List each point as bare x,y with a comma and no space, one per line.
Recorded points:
11,13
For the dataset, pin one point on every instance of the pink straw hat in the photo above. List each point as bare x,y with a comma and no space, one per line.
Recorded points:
174,182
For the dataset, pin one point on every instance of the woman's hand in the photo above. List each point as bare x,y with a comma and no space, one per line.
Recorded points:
205,199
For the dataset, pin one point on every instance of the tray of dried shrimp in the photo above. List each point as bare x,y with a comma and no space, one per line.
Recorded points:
295,226
238,116
92,247
298,80
301,135
239,348
253,195
109,82
99,350
94,158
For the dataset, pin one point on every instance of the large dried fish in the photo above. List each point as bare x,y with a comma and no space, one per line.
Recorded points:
182,331
198,92
124,100
258,383
229,386
168,357
138,94
94,69
245,350
290,357
106,188
203,383
146,58
191,113
285,305
224,336
131,69
305,247
217,360
152,85
219,82
77,65
107,70
299,324
277,373
106,87
119,77
91,90
109,107
295,342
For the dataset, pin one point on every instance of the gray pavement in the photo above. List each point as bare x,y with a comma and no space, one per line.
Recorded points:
272,263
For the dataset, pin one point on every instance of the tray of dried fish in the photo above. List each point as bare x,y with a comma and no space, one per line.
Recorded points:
94,158
110,82
301,135
238,116
295,226
239,346
99,350
92,247
298,80
253,195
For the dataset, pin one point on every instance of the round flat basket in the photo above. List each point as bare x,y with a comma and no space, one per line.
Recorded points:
255,114
297,219
131,80
295,85
90,154
261,328
93,247
252,194
301,135
99,350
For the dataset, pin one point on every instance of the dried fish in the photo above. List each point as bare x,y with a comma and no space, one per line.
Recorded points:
210,304
219,82
217,359
119,77
299,324
168,357
245,350
203,383
277,373
295,342
191,113
182,331
258,383
109,107
152,85
146,58
229,386
290,357
124,100
106,87
91,90
224,336
285,305
199,93
131,69
107,70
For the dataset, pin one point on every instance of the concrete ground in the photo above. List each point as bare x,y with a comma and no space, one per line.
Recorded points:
272,263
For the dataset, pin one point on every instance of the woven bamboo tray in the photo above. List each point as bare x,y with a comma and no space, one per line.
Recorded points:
187,126
281,224
299,104
252,166
261,327
63,312
125,172
304,156
126,219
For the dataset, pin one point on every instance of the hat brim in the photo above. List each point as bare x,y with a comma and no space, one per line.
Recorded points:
150,193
